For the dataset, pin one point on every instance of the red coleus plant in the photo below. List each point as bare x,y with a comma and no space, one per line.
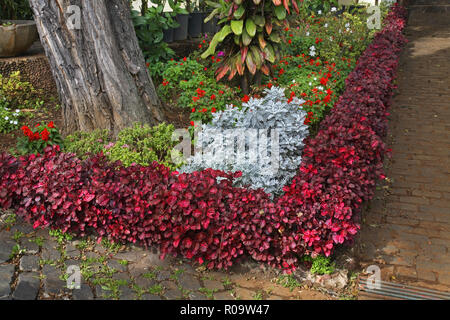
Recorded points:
201,216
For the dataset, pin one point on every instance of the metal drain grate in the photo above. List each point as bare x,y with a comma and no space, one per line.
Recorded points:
401,291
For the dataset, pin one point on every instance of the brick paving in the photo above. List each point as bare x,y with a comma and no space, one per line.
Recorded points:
406,229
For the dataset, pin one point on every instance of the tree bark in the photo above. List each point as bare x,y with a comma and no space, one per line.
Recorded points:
99,69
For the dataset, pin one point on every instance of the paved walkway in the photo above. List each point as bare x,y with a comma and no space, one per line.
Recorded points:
407,227
35,265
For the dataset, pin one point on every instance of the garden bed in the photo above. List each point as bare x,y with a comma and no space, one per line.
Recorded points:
203,216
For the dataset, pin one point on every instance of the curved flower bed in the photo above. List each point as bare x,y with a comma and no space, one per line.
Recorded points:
201,215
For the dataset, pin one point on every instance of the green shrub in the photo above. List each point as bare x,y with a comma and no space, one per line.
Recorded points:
143,144
85,143
140,144
19,94
320,265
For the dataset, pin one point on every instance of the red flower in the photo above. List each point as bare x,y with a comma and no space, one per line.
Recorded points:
213,97
245,99
323,81
213,110
51,125
184,59
27,131
45,134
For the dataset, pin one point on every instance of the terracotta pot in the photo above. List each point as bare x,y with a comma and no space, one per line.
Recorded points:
17,38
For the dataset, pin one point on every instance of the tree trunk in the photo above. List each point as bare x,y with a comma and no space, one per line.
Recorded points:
99,69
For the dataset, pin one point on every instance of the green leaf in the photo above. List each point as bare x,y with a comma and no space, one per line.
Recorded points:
270,53
250,63
213,13
259,21
246,39
280,12
274,37
237,26
226,30
239,12
250,26
218,37
256,56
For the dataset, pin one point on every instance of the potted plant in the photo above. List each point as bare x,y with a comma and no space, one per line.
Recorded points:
181,32
16,36
195,19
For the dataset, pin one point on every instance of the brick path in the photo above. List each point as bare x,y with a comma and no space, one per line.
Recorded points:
407,226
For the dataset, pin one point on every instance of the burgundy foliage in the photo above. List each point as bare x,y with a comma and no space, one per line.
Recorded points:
201,216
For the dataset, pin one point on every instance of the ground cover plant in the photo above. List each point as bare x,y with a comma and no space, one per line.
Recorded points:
203,216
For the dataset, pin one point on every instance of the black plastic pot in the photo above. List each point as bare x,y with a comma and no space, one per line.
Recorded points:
181,32
209,27
168,35
195,24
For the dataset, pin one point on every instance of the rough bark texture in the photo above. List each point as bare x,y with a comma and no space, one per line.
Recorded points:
99,69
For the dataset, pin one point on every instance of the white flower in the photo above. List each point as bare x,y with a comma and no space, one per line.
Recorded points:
307,34
310,84
6,118
320,87
17,111
348,29
15,122
315,79
333,9
312,48
293,80
312,53
319,12
326,25
347,25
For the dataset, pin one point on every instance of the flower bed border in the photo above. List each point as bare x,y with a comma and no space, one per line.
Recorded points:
201,215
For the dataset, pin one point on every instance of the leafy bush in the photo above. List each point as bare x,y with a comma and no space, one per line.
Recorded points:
19,94
140,144
143,144
250,34
320,265
37,139
9,120
84,144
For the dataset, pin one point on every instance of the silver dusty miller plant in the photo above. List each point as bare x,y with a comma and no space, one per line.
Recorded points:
263,140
